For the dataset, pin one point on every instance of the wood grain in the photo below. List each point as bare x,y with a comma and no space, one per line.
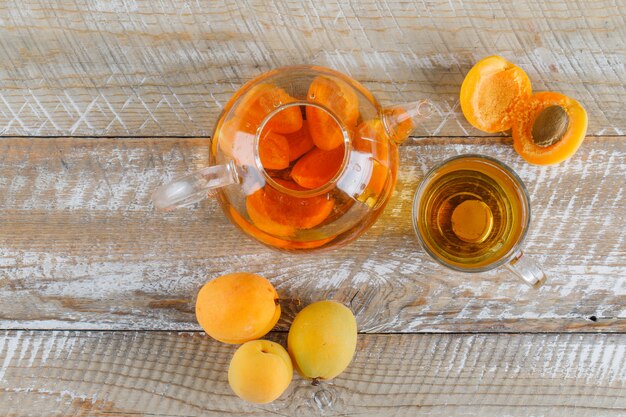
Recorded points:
185,374
144,68
81,246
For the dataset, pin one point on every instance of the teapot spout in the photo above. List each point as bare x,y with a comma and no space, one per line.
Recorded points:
402,119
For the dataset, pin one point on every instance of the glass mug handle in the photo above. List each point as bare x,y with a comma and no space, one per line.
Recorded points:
191,188
527,269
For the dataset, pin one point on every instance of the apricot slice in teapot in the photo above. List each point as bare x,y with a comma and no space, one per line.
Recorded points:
300,142
548,128
317,167
281,214
263,99
489,92
235,138
341,99
375,185
273,150
370,138
271,240
263,215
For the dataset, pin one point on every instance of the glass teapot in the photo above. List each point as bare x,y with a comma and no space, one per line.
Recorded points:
302,158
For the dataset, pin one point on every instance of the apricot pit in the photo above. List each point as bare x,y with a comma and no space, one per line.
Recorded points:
549,128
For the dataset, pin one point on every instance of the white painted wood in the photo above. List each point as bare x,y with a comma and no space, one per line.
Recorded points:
82,248
185,374
93,67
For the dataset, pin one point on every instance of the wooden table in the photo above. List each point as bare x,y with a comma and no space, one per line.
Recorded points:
102,101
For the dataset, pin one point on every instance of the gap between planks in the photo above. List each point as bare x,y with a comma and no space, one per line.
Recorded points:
184,374
104,259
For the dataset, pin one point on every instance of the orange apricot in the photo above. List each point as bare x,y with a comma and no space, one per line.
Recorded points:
260,371
265,214
238,307
282,214
270,240
338,97
370,137
489,92
317,167
231,131
376,183
263,99
300,142
273,150
548,128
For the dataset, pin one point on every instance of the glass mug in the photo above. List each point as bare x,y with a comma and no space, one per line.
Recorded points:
471,213
302,158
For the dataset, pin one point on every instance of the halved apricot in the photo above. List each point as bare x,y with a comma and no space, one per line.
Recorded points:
235,138
338,97
300,142
273,150
370,137
263,214
489,92
317,167
228,131
263,99
376,184
274,241
548,128
281,214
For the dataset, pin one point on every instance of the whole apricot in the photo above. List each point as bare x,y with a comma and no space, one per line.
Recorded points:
238,307
322,340
260,371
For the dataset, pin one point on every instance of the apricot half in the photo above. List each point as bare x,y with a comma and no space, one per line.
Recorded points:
317,167
238,307
299,142
338,97
489,92
274,241
273,150
548,128
263,99
234,137
260,371
282,214
371,138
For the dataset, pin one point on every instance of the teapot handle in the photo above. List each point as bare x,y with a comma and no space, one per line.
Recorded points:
194,187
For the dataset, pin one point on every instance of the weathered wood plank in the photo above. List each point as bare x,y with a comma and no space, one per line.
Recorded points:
182,374
92,67
82,248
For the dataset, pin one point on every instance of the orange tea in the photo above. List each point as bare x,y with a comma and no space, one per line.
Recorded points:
471,213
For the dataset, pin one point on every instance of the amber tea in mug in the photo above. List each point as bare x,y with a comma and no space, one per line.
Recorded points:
471,213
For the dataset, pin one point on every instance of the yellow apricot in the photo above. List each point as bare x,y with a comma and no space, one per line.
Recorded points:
260,371
322,340
236,308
